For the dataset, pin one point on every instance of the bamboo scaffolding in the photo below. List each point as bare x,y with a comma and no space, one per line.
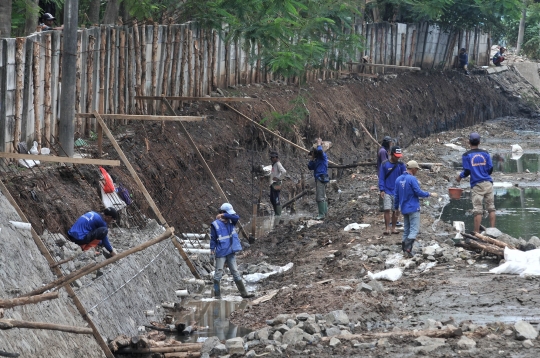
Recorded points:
35,74
21,301
89,82
47,90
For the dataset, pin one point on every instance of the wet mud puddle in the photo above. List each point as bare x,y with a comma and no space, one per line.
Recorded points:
518,211
211,319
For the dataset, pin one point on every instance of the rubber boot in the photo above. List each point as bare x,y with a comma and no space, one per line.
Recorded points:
325,207
409,247
320,206
217,290
242,289
402,245
277,210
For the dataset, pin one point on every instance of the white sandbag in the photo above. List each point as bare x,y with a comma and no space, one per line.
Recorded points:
392,274
27,163
356,226
532,270
526,257
512,268
112,200
34,149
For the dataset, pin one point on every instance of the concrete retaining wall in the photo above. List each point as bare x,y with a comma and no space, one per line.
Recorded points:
530,71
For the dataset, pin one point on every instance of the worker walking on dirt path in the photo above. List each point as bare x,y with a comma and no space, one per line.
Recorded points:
383,155
407,192
464,60
276,175
224,244
477,163
391,169
91,230
319,165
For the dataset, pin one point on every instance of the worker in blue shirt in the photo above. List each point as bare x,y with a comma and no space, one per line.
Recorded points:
224,244
407,192
464,60
319,165
477,163
390,170
91,230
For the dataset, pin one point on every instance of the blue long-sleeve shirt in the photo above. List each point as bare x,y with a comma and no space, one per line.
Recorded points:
388,174
407,192
381,157
87,223
463,59
320,164
225,246
477,163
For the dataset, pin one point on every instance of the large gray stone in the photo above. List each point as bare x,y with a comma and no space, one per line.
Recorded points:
535,241
251,354
209,344
337,317
262,334
376,285
235,346
528,343
334,342
524,330
311,327
220,349
466,343
305,317
293,336
290,323
494,232
277,336
283,328
428,251
333,331
282,318
428,341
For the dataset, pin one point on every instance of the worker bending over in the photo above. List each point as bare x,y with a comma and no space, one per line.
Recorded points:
91,230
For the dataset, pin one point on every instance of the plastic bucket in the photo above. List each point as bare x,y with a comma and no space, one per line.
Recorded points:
455,193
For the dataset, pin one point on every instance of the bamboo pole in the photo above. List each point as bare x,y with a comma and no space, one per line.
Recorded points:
183,64
402,57
413,48
136,44
122,73
112,71
209,51
175,57
236,63
258,69
227,64
186,347
47,90
13,323
89,82
182,355
196,74
130,78
21,301
190,62
19,67
35,76
166,68
492,241
155,34
372,52
71,293
59,84
80,125
66,280
102,49
214,61
202,49
143,68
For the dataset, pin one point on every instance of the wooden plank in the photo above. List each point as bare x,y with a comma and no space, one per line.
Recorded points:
134,117
21,301
71,293
134,174
13,323
264,298
202,99
359,74
386,66
55,159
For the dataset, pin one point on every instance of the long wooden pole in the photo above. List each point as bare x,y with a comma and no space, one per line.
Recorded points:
138,71
203,162
122,73
19,69
194,347
13,323
21,301
80,125
90,83
492,241
369,134
35,73
71,293
57,159
155,33
47,90
151,202
269,131
66,280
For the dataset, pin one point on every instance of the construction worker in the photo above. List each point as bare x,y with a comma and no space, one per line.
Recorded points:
319,165
478,165
91,230
224,243
390,170
276,176
406,194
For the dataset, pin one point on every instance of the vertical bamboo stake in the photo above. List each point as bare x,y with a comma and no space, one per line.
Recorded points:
214,59
183,63
201,63
47,89
56,121
402,57
122,73
175,50
227,63
35,76
136,44
475,49
383,47
130,75
167,64
413,48
209,61
80,127
258,69
112,71
190,63
372,48
245,71
154,66
89,82
196,70
236,63
102,48
144,107
19,55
